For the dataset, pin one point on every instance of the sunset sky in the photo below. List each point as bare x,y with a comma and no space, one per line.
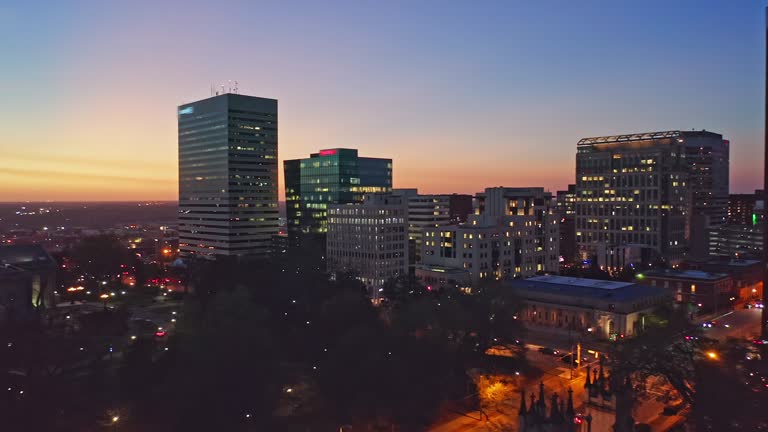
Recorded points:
462,95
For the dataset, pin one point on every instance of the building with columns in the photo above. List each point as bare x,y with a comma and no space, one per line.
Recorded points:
607,309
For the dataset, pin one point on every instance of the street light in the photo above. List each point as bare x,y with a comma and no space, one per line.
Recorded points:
104,297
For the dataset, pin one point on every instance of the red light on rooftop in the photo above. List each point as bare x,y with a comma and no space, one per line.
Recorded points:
327,152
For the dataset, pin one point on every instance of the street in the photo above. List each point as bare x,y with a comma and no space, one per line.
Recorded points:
741,324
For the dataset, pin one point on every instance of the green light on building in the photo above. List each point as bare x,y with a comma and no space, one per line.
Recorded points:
754,218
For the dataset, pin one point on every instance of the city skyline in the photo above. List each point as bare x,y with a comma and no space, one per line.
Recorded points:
506,89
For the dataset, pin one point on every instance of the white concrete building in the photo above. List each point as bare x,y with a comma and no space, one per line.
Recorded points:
369,239
608,309
424,211
513,233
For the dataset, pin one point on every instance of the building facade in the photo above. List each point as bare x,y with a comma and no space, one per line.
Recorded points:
369,239
643,189
747,275
704,291
459,207
328,177
566,209
227,176
741,209
606,309
736,241
513,233
426,211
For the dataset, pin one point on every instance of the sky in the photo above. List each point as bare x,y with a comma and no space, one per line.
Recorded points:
461,95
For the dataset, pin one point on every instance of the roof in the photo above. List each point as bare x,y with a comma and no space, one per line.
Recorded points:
587,288
685,274
629,137
15,258
645,136
582,282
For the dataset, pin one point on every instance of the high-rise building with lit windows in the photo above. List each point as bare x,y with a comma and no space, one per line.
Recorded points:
657,191
514,232
227,176
369,239
330,176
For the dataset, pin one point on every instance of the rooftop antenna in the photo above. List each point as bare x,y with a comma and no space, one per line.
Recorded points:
236,87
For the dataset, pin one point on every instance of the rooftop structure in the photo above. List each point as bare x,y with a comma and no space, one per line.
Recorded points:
628,137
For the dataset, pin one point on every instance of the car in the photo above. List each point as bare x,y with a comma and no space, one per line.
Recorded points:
709,324
547,350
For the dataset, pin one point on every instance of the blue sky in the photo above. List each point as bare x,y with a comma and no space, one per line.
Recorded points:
462,95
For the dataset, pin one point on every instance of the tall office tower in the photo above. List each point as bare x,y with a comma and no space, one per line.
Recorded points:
513,233
369,239
227,176
331,176
641,191
566,209
708,156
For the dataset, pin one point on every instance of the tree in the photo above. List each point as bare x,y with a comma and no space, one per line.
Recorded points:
662,350
101,256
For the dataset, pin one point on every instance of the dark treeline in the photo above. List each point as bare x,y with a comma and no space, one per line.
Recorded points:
273,345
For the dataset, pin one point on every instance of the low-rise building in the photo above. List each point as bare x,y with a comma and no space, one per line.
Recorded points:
607,309
747,275
369,239
704,291
439,278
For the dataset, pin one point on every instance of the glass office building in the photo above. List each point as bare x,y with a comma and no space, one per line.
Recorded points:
331,176
227,176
